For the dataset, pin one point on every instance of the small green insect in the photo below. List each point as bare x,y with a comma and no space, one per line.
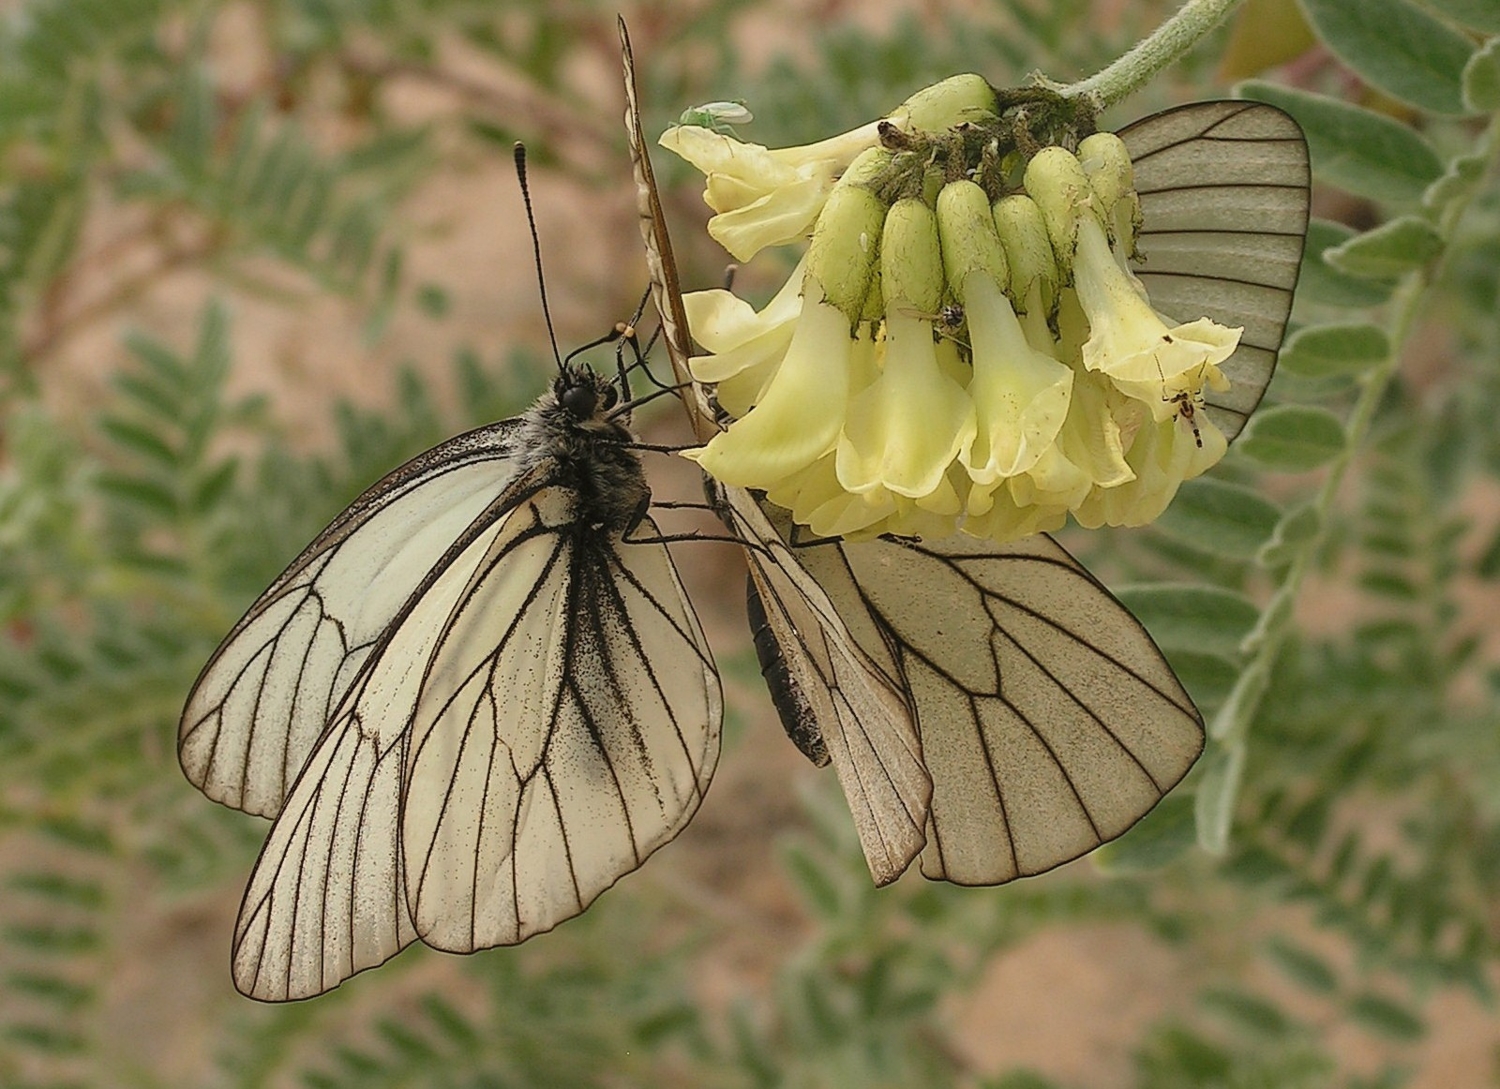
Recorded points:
721,117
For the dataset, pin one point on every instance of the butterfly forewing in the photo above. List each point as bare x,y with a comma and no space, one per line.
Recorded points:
666,292
1224,190
327,897
265,697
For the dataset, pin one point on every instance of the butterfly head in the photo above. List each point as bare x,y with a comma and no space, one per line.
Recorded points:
588,400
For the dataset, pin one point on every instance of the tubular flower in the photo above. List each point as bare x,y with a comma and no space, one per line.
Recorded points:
955,361
801,410
1127,340
764,197
1020,394
767,197
905,429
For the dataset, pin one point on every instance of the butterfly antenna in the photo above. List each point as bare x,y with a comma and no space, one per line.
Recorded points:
536,247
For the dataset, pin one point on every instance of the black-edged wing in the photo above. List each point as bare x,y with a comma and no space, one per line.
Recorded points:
539,718
849,699
263,700
1049,720
835,669
1224,190
666,291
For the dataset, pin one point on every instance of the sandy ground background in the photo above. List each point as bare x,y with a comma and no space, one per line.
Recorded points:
1070,1002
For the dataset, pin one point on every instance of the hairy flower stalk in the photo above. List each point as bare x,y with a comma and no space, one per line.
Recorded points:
952,354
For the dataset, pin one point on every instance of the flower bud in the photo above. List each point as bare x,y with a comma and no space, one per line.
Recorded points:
967,232
1107,164
911,260
952,102
1056,181
846,241
1028,252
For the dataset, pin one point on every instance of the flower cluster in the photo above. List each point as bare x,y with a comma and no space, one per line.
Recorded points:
962,347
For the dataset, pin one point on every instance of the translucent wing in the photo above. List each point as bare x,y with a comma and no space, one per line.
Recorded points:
850,700
666,292
541,716
568,728
1049,720
262,701
1224,190
327,897
845,686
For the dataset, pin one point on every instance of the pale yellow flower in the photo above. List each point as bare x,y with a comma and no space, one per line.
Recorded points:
904,430
1128,341
769,197
990,368
765,197
801,411
1163,455
747,346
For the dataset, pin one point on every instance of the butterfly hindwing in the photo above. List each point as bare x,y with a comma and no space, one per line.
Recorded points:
1224,190
1049,720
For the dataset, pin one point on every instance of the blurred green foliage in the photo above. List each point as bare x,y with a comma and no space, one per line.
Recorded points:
1351,793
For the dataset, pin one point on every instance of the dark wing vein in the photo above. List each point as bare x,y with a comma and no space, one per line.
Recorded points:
1237,170
550,753
266,695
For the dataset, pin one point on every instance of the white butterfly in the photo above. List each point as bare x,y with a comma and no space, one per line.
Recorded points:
993,707
471,705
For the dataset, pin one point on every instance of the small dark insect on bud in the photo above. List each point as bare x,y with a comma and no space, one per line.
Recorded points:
893,139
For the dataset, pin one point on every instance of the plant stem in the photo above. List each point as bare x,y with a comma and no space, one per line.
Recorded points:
1172,40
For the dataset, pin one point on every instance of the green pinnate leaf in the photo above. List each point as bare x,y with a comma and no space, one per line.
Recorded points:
1389,250
1462,177
1320,351
1220,518
1302,966
1203,619
1293,438
1321,283
1481,79
1387,1017
1218,791
1482,15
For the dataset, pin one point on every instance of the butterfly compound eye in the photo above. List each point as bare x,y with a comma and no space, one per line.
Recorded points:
580,401
611,397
